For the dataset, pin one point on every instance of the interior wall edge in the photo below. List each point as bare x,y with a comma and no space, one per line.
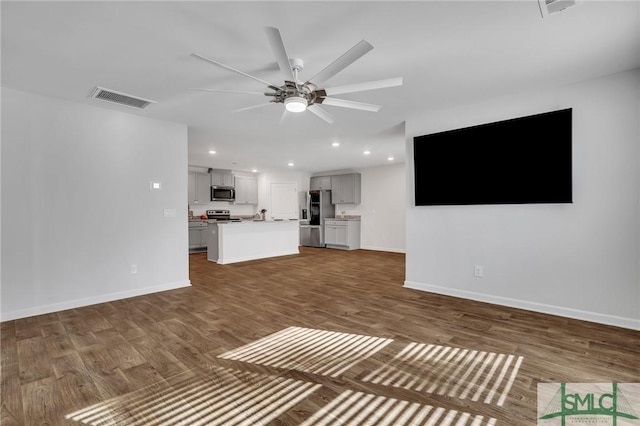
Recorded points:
79,303
595,317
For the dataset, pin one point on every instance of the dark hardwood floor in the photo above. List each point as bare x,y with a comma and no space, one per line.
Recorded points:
326,337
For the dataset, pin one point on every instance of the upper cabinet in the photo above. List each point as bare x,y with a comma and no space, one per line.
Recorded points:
319,183
345,189
221,177
199,185
246,189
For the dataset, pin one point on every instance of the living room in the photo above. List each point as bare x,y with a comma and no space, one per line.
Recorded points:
77,210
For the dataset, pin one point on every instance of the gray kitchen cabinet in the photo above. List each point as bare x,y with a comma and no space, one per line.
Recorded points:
320,183
345,189
198,188
342,234
220,177
198,236
246,189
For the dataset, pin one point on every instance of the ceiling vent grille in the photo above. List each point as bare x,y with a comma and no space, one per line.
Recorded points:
548,7
120,98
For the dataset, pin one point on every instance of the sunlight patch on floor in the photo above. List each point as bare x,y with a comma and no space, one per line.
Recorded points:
327,353
231,397
455,372
357,408
218,397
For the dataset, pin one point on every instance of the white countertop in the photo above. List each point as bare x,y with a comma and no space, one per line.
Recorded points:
244,222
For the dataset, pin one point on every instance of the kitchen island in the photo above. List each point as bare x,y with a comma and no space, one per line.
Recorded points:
231,242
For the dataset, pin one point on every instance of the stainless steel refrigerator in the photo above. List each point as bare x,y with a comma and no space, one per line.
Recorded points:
319,207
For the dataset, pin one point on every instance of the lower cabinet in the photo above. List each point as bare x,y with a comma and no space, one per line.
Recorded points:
342,234
198,236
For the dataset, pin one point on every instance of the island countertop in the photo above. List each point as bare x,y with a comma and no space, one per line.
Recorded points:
242,221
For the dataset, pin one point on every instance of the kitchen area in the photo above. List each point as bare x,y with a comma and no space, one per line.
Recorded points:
320,226
227,222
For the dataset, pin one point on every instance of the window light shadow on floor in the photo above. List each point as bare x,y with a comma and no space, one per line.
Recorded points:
321,352
358,408
455,372
218,397
231,397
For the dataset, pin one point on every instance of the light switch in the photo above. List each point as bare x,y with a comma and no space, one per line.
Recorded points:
156,186
169,212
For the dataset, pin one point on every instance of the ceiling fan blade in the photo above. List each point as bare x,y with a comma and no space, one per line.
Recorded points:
252,107
349,57
227,67
349,104
361,87
277,45
284,116
227,91
315,109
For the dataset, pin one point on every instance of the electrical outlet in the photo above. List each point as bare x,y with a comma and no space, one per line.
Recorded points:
134,269
478,271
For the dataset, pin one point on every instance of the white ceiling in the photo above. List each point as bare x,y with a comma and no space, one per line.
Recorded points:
447,52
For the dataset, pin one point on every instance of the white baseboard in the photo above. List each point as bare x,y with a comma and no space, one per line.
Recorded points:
78,303
631,323
392,250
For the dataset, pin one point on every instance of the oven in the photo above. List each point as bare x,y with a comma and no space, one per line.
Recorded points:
221,216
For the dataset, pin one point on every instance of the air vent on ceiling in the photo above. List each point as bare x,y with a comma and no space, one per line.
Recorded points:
120,98
548,7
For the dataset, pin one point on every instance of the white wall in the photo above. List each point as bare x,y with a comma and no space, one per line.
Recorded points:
300,179
77,206
578,260
382,209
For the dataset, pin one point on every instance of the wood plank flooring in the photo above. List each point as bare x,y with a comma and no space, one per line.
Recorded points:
326,337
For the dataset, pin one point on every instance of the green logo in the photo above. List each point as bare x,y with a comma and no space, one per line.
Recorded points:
588,403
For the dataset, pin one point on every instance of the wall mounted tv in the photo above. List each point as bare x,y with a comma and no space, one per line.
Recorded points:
519,161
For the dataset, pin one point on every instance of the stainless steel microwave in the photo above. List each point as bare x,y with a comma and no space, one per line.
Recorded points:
223,193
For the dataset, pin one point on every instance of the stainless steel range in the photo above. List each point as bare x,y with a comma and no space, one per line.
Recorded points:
221,216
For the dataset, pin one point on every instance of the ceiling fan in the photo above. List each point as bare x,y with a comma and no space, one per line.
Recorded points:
297,95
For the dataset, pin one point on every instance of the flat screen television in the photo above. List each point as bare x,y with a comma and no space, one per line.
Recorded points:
518,161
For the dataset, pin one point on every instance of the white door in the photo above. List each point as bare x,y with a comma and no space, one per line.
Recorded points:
284,201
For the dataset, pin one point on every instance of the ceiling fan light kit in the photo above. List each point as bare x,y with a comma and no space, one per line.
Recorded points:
295,103
298,96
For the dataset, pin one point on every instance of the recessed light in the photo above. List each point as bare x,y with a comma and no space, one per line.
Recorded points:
390,158
335,144
254,170
212,152
290,164
367,152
